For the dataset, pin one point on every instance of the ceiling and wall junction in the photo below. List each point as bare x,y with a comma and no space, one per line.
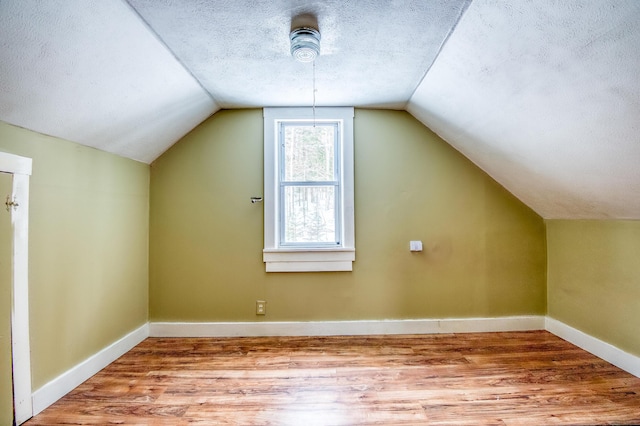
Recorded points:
542,95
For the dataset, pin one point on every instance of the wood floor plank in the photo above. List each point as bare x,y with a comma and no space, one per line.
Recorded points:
516,378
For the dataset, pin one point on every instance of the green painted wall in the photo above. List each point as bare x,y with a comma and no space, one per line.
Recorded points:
88,243
6,390
485,252
594,278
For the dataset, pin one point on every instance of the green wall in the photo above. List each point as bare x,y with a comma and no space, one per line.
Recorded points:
100,267
88,243
594,278
485,252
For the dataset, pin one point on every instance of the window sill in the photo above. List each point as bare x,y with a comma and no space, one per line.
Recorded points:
309,260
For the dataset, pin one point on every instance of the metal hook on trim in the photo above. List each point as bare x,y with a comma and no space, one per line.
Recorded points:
11,203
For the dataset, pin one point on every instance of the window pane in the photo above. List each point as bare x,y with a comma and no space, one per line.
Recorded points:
309,214
309,153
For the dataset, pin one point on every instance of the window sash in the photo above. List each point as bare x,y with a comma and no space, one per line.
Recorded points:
336,127
283,184
336,218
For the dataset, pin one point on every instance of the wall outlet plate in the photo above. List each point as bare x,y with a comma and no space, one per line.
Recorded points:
261,307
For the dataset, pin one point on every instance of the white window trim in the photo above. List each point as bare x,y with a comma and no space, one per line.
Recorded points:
290,259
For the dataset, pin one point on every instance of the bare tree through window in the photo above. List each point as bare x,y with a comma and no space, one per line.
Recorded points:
310,186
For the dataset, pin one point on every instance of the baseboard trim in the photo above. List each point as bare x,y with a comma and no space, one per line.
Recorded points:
66,382
624,360
345,328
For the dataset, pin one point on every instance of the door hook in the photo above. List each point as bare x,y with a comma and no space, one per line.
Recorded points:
11,203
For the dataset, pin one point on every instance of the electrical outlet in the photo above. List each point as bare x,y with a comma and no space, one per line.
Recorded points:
261,307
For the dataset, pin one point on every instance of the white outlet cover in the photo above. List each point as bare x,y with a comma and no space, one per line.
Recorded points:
415,245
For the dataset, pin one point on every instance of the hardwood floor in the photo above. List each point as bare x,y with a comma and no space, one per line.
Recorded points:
489,378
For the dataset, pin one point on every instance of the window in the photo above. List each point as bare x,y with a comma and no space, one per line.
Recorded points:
309,183
308,189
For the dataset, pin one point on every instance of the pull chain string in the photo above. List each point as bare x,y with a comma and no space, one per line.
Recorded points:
314,94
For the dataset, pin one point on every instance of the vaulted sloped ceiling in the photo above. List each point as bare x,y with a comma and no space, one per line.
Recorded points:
542,95
91,72
545,96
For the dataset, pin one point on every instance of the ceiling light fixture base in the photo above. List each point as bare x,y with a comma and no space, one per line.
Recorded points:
305,44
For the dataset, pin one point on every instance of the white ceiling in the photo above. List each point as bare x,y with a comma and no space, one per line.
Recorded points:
239,50
542,95
545,97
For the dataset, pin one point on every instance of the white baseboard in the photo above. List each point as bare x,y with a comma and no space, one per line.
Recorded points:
345,328
624,360
66,382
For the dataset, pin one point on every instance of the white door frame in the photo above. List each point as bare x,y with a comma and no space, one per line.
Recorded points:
20,168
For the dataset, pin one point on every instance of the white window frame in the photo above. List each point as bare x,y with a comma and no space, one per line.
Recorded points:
279,258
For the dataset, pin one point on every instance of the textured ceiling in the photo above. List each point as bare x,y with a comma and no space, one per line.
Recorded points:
91,72
239,50
542,95
545,97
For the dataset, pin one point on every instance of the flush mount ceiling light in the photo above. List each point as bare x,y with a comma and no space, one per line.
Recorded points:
305,44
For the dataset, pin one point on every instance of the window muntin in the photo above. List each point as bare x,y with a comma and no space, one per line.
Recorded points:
310,185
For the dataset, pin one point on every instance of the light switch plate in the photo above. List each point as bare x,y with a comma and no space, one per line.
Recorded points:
415,245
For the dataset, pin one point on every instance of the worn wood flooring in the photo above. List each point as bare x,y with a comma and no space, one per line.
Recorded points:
480,378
